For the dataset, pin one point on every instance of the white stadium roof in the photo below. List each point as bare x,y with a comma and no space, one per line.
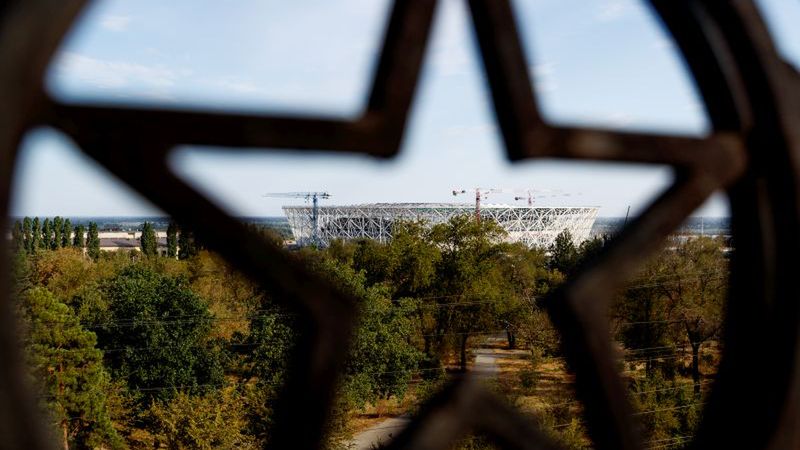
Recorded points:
534,226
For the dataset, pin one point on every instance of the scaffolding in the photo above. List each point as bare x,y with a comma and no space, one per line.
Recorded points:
533,226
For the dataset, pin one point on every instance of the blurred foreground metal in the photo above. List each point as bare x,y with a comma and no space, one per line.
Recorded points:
752,97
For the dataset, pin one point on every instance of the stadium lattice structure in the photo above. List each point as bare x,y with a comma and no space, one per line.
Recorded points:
534,226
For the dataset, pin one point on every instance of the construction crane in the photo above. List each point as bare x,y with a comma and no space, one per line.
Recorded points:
482,194
479,194
530,194
314,197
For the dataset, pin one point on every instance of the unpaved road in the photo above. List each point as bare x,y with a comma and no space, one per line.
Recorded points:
484,367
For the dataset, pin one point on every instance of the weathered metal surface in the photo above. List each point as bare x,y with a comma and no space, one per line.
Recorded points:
753,100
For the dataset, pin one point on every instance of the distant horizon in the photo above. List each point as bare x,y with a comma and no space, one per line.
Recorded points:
146,216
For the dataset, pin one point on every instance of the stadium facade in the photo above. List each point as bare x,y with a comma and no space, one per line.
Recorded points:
534,226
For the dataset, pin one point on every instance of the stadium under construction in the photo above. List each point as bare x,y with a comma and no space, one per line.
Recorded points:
534,226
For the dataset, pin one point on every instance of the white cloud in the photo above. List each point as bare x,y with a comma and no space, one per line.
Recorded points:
612,10
115,23
154,81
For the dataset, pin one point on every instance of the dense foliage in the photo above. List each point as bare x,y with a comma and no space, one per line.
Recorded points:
133,350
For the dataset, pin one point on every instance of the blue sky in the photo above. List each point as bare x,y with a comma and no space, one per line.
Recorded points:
599,62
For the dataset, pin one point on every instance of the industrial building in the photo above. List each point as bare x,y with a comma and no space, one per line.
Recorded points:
534,226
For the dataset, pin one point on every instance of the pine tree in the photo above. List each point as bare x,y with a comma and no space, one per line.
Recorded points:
148,241
27,230
66,231
172,240
55,240
63,357
93,241
47,234
36,235
78,240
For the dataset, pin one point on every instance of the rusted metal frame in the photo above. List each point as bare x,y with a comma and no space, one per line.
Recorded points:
30,31
326,314
763,313
378,132
467,406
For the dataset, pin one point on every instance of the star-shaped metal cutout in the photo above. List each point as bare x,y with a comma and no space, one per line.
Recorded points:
751,97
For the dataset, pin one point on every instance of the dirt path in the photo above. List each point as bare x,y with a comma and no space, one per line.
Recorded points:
379,434
484,367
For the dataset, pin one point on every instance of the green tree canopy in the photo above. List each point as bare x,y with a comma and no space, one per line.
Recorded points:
148,241
66,231
27,234
159,330
65,361
172,240
47,234
212,421
55,237
93,241
36,235
78,239
186,244
563,253
17,237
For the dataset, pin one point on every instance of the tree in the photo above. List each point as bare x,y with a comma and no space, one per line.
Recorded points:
646,312
214,420
64,359
563,253
524,280
698,293
148,241
382,359
673,409
172,240
467,280
47,234
17,237
27,235
64,272
677,300
186,244
161,330
36,235
55,238
93,241
66,232
78,240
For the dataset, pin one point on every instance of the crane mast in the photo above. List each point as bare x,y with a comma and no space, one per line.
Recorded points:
479,193
314,197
